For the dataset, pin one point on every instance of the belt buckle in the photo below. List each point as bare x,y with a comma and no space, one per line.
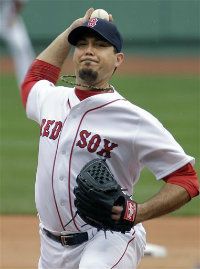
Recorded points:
64,238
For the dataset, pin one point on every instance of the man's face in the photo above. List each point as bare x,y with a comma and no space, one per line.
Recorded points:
94,60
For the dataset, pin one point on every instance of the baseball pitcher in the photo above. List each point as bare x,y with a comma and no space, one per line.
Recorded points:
93,146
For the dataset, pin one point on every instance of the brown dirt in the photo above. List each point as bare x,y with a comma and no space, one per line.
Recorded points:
152,66
136,65
19,246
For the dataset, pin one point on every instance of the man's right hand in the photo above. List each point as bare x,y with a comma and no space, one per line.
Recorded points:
80,21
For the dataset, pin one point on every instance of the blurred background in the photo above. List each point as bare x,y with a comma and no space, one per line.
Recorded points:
148,26
161,74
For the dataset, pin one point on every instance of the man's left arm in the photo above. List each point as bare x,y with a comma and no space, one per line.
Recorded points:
180,187
168,199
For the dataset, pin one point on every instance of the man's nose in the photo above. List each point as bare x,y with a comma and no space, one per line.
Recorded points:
89,49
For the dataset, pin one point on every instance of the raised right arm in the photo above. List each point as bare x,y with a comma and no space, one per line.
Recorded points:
58,50
48,63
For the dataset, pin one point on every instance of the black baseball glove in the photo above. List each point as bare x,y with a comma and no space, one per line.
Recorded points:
97,192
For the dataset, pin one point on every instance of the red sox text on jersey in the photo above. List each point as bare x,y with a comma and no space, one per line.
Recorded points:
93,142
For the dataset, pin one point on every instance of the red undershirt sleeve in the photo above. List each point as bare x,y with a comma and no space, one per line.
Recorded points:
185,177
39,70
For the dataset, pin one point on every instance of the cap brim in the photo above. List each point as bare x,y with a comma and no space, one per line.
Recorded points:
76,34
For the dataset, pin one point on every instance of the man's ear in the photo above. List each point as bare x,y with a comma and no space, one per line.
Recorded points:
119,59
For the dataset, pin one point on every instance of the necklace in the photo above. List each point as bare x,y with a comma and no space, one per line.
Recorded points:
66,79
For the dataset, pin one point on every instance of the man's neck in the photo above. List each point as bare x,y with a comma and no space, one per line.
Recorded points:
87,93
96,87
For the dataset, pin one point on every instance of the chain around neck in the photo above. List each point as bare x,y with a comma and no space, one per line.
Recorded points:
66,79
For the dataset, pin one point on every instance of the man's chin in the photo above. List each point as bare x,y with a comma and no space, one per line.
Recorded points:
88,75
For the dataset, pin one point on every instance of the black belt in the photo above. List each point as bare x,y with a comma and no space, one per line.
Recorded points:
68,240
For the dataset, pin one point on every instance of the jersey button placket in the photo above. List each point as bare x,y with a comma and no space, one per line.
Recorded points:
62,202
61,178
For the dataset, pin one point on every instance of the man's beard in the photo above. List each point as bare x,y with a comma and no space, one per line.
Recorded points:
88,75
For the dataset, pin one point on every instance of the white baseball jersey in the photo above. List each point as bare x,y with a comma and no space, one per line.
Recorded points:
73,132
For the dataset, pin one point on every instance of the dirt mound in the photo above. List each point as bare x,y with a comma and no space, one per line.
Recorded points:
180,236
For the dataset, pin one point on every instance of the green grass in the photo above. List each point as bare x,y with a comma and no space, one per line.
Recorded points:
18,155
173,100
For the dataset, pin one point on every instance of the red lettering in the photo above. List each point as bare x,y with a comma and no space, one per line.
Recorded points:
94,143
105,152
47,127
82,143
56,130
42,125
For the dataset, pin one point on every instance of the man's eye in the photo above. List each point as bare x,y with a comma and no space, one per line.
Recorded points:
102,44
81,43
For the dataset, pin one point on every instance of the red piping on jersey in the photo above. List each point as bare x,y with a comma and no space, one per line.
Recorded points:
68,102
70,159
123,253
52,182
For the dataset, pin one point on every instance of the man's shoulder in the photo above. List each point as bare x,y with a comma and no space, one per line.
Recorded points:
46,93
45,86
132,108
